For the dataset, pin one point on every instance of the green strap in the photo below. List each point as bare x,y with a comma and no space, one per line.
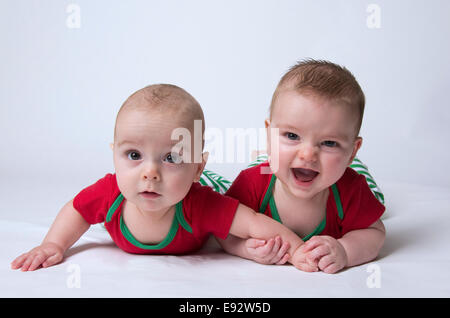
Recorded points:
114,207
337,199
268,194
317,230
180,216
274,210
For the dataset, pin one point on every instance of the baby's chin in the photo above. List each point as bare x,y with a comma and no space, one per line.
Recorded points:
153,206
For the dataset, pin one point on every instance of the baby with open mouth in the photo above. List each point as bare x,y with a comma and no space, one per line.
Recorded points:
312,134
304,175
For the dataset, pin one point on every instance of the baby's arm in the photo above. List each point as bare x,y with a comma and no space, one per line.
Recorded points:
249,224
67,228
272,251
354,248
363,245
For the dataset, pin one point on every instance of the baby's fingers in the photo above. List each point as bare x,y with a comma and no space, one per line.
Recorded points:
254,243
27,262
282,255
37,261
306,267
283,260
18,262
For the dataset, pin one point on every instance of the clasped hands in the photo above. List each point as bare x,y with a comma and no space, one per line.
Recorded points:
321,252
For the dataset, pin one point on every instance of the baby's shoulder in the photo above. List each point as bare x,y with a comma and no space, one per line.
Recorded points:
350,179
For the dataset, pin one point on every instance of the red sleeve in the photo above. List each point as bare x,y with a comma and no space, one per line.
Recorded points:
245,190
361,207
93,202
210,211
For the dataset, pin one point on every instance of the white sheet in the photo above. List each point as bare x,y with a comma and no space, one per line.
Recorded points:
415,261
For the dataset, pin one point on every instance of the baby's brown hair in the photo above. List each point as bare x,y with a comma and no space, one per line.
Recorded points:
323,79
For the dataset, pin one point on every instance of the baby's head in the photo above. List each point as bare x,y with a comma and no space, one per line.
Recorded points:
325,80
317,109
154,168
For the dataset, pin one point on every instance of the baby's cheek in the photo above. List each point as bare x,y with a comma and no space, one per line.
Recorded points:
280,161
180,181
334,167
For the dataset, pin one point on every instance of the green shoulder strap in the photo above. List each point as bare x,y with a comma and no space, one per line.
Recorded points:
268,194
337,199
113,207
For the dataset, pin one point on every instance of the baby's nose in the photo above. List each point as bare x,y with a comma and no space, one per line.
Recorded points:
151,172
307,153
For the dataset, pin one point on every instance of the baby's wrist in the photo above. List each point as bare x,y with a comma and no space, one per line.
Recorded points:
53,245
344,253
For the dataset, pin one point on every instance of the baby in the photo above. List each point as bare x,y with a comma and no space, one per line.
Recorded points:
312,135
153,203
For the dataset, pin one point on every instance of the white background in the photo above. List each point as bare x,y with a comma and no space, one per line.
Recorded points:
61,87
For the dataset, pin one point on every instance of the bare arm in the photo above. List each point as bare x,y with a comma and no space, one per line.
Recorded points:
272,251
234,245
362,246
249,224
67,228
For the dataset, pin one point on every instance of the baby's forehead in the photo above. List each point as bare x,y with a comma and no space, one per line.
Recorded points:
143,121
158,107
142,127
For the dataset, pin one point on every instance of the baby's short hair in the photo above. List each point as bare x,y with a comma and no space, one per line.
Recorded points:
168,99
323,79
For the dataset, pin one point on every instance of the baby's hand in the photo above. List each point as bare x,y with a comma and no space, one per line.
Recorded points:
271,252
47,254
300,261
326,252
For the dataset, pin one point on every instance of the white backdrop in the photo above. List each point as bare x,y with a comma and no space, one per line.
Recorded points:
67,66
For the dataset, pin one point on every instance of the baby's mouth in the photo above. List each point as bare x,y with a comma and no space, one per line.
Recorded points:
149,194
304,175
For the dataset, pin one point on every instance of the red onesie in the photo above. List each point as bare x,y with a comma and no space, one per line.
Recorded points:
201,213
350,206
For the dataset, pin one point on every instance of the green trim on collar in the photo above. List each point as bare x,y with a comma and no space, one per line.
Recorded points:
268,195
114,207
167,240
177,220
317,230
180,216
274,210
337,199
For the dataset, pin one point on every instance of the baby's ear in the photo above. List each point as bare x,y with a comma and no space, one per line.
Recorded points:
205,156
111,145
201,166
356,145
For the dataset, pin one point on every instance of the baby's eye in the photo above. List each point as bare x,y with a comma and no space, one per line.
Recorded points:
291,136
134,155
330,143
173,157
